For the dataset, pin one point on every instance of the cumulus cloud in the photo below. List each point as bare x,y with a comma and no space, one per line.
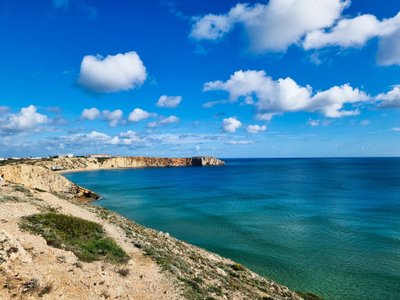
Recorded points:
231,124
164,121
26,120
211,27
114,117
114,73
138,115
308,23
169,101
96,138
169,120
100,141
265,116
389,50
4,109
390,99
285,95
90,114
256,128
353,32
273,26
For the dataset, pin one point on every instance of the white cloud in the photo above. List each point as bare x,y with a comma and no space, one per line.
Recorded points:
310,23
90,114
96,138
273,26
285,95
138,115
389,50
164,121
365,122
26,120
231,124
120,72
265,116
390,99
113,117
314,123
239,142
169,101
211,27
353,32
169,120
211,104
256,128
4,109
396,129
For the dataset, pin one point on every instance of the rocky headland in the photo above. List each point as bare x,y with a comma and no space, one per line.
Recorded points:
42,215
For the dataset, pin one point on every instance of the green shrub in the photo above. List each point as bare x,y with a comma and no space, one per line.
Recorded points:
87,240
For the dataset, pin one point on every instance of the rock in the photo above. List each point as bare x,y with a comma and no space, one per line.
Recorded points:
27,246
206,161
175,270
220,271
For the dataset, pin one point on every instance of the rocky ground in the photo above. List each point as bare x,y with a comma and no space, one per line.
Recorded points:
31,269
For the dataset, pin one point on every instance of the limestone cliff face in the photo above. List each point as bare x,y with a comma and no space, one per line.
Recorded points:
37,177
206,161
81,163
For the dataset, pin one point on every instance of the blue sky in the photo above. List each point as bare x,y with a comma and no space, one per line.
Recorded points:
283,78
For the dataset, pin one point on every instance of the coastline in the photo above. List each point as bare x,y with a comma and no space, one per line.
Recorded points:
193,270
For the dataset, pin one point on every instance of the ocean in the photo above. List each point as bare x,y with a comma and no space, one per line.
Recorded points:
330,226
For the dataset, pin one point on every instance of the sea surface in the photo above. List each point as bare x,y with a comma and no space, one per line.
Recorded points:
328,226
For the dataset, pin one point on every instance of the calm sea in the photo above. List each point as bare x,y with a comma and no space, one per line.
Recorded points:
329,226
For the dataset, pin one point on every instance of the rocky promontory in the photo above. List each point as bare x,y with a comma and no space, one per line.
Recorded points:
94,163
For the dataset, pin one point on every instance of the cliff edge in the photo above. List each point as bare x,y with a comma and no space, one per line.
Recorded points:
93,163
43,179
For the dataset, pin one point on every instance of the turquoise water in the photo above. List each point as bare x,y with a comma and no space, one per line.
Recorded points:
329,226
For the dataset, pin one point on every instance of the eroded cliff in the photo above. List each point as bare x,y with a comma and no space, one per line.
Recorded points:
84,163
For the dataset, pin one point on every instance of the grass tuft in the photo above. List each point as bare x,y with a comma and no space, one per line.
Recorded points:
87,240
238,267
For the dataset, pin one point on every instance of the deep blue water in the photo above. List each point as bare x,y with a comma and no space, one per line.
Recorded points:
329,226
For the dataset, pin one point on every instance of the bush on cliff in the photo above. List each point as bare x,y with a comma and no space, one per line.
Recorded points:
87,240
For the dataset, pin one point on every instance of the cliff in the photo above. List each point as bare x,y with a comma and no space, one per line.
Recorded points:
40,178
87,163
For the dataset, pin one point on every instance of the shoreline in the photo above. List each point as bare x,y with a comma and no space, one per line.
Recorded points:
196,272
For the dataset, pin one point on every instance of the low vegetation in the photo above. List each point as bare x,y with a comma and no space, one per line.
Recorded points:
87,240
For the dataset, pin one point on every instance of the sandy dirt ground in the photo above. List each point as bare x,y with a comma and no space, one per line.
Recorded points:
30,269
